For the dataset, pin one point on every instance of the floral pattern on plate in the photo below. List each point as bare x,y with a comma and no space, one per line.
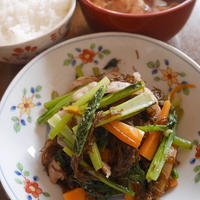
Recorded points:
31,187
166,73
83,56
24,108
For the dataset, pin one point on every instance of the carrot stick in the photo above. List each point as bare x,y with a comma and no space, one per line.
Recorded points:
76,194
178,88
127,134
128,197
151,143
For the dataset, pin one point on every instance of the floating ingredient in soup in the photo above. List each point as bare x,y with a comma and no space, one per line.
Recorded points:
136,6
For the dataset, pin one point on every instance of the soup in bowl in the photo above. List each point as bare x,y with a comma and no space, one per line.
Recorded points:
160,19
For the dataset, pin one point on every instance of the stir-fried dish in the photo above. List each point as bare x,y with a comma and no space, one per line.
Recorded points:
137,6
111,135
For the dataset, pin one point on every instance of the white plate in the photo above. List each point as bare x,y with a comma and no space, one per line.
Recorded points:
21,139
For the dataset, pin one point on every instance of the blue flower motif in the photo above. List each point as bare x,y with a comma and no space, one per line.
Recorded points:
73,62
13,107
32,90
155,71
78,49
170,89
23,122
38,103
18,173
192,161
35,178
100,48
29,197
166,62
96,62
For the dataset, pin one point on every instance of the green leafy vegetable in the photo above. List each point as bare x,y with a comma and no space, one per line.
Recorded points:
137,174
127,109
116,96
86,121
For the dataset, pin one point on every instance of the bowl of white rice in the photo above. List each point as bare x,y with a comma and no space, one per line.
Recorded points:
28,27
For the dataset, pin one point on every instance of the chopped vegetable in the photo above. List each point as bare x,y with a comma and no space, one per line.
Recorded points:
116,96
197,155
160,157
66,133
126,133
127,109
83,100
47,115
95,157
76,194
175,174
86,121
52,103
182,143
178,88
151,143
104,180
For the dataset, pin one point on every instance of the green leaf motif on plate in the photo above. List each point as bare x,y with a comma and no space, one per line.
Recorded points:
38,88
197,178
17,180
186,91
197,168
25,91
70,55
157,63
46,194
17,127
106,51
182,74
38,96
26,173
92,46
157,78
150,64
20,167
15,119
100,56
67,62
29,119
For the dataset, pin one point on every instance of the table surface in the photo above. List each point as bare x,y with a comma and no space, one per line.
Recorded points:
187,40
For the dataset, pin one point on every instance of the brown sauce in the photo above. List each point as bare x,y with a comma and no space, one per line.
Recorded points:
137,6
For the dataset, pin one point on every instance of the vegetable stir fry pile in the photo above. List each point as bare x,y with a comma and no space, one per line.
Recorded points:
111,135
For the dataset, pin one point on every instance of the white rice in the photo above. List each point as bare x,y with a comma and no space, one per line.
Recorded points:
21,20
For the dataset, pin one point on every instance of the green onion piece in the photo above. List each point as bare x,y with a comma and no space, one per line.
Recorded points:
160,157
79,71
116,96
95,157
86,121
127,109
175,174
66,133
152,128
182,142
54,95
53,102
47,115
96,71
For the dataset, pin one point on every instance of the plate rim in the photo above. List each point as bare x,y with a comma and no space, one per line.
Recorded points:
11,194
